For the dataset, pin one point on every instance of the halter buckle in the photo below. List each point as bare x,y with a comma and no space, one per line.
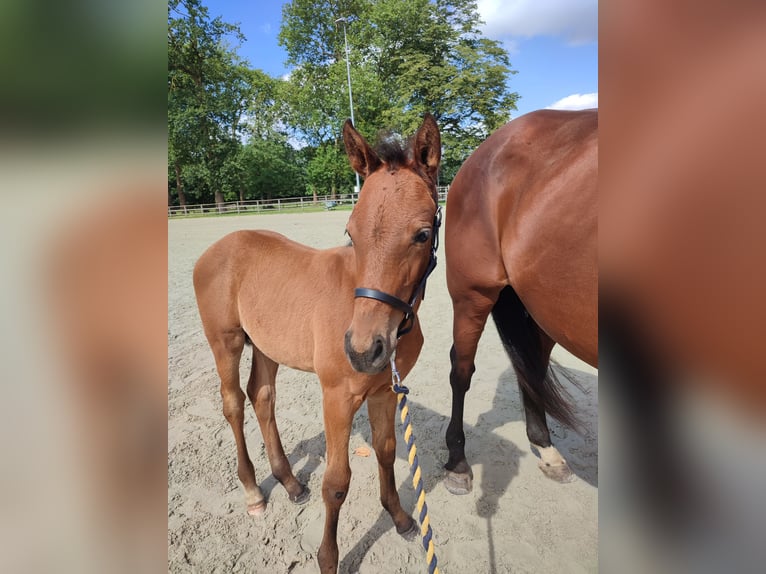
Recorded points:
396,378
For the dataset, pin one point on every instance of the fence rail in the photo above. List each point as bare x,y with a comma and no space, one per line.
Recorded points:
271,205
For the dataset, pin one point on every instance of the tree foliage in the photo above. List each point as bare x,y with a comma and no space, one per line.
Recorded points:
408,57
208,90
235,132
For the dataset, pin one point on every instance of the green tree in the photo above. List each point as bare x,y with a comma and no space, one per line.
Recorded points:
317,97
209,90
327,172
408,57
272,168
234,131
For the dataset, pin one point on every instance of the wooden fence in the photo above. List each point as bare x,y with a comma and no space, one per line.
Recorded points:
290,204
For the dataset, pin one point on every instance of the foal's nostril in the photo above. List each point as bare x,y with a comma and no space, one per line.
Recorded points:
347,340
377,348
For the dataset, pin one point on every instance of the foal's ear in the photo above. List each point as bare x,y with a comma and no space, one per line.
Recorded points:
427,147
361,156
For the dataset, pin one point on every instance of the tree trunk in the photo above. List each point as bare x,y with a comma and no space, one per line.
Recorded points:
180,186
332,192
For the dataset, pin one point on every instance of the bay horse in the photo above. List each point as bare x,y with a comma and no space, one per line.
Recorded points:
342,313
521,244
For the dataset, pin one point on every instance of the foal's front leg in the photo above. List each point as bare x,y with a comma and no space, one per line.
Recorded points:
339,407
381,408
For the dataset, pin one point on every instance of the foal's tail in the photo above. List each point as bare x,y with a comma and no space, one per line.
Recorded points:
523,341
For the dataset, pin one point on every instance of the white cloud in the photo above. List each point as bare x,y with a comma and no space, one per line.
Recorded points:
575,20
576,102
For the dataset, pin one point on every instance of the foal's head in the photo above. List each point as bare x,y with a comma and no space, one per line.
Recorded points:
392,229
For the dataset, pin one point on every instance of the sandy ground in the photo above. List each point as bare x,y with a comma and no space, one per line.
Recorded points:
515,520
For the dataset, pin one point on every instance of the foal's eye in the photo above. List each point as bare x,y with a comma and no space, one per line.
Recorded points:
422,236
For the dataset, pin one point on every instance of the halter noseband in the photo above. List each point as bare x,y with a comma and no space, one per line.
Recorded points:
420,290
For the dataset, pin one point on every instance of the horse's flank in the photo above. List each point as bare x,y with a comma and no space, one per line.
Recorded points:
532,238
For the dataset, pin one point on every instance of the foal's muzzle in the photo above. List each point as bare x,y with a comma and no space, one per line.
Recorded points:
371,360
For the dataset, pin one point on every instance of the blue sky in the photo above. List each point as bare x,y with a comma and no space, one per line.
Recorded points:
552,45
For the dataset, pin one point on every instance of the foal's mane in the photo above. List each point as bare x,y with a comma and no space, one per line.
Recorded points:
396,153
392,150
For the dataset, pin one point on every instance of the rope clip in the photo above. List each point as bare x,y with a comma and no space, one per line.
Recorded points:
396,378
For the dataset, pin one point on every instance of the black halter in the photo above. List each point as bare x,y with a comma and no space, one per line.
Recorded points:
420,290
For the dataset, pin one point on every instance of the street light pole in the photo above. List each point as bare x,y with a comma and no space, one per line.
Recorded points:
350,98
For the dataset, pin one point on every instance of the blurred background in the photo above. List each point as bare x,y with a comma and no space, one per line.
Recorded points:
83,253
682,272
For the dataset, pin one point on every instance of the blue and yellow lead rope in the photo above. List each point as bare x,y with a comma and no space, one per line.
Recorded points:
417,480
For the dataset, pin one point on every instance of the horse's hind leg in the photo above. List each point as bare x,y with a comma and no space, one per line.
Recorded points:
529,349
552,464
470,315
382,411
261,389
227,349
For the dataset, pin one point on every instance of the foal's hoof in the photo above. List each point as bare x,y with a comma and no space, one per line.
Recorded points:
256,509
458,482
411,532
558,472
302,497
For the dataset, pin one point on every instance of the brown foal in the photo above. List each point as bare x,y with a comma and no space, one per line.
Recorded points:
298,307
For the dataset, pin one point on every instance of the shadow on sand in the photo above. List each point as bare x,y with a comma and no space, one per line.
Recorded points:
500,463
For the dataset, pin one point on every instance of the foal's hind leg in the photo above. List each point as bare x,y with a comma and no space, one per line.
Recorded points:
227,349
261,389
470,315
381,408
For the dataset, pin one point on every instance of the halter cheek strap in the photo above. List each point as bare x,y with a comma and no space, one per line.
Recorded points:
420,290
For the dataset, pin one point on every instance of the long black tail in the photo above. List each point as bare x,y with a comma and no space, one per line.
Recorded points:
523,341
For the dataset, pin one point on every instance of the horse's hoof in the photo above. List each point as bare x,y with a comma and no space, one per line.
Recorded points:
410,533
458,482
256,509
302,497
557,472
